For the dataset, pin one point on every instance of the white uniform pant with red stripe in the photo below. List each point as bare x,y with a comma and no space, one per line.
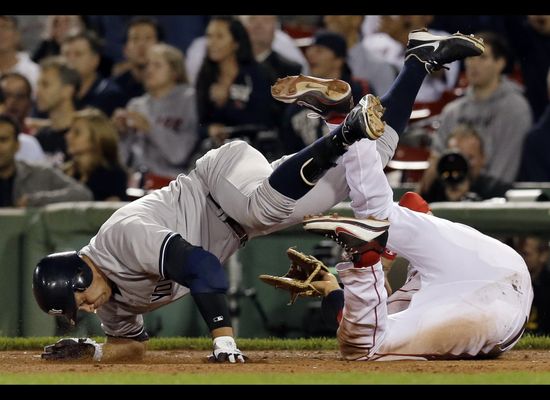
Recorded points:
474,292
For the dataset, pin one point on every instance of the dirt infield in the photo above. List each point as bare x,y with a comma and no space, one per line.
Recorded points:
310,362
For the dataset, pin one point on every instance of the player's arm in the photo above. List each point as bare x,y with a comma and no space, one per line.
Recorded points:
86,349
333,298
203,274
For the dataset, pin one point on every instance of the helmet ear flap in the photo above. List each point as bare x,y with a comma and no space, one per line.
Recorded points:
82,279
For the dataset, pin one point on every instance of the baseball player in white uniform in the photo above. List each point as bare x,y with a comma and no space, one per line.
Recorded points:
467,294
173,241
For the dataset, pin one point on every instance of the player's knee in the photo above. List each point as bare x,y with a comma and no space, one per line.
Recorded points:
194,267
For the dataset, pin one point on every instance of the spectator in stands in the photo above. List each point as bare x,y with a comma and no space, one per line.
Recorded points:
456,178
83,53
535,161
141,34
12,60
327,60
17,97
160,128
178,31
57,29
494,106
261,30
15,101
529,36
57,87
92,142
536,252
233,95
283,44
364,64
30,185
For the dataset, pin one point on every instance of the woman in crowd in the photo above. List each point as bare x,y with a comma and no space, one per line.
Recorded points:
92,143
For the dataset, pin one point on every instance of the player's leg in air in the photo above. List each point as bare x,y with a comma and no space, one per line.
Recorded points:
425,53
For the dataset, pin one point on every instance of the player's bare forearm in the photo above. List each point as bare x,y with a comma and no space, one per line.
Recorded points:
116,349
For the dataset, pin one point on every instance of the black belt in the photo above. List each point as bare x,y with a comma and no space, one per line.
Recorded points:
234,225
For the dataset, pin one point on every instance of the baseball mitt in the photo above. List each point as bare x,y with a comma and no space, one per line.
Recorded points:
303,270
72,349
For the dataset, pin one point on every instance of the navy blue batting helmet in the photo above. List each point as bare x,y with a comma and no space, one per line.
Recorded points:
55,280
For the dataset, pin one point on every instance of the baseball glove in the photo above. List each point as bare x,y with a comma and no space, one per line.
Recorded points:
303,270
73,349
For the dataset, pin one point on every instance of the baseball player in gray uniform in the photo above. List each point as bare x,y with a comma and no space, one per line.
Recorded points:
173,241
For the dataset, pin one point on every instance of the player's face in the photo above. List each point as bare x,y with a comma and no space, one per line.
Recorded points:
97,294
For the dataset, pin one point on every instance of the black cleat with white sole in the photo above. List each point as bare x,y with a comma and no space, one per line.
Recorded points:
436,51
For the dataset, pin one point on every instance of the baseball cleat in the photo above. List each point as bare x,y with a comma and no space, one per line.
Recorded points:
365,120
436,51
355,235
326,97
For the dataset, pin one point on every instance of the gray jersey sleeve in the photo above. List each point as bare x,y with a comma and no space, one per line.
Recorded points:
118,323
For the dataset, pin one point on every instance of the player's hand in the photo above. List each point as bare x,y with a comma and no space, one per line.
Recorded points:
326,284
73,349
225,350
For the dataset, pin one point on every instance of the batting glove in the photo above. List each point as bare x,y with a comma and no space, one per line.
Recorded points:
225,349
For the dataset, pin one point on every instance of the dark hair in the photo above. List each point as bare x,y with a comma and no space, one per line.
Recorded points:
8,119
145,20
91,37
28,86
67,74
210,70
499,48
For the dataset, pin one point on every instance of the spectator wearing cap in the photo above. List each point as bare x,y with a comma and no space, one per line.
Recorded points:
327,59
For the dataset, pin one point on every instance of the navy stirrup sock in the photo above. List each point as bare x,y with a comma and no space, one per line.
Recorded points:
297,175
399,100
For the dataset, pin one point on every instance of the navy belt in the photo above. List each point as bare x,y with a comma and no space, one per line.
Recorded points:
234,225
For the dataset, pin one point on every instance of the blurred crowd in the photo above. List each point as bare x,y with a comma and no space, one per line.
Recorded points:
106,107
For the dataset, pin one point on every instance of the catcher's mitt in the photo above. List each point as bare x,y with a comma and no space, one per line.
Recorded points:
303,270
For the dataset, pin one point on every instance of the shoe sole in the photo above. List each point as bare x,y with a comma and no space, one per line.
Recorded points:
292,88
363,229
372,113
424,36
